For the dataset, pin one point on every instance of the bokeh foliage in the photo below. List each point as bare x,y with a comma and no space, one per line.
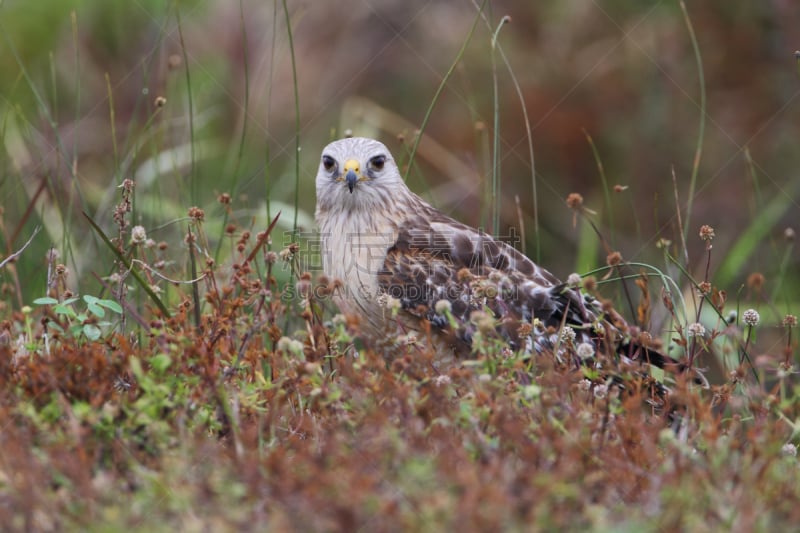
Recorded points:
625,74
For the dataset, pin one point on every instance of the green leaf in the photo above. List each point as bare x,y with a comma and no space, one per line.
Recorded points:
92,305
46,300
81,409
160,362
753,236
65,309
92,332
111,305
96,310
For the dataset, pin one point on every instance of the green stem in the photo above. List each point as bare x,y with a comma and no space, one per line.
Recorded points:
192,180
701,130
496,198
440,89
296,119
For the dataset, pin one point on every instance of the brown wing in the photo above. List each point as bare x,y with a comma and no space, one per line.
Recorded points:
436,258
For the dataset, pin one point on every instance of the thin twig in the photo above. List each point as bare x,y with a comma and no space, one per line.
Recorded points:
18,252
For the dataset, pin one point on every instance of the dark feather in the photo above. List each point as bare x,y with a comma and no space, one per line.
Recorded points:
436,258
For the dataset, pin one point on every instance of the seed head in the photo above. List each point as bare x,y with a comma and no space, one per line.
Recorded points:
138,235
706,233
600,391
289,345
464,275
751,317
585,350
196,214
695,329
574,201
567,335
286,254
789,450
525,329
704,287
484,321
441,380
614,258
443,307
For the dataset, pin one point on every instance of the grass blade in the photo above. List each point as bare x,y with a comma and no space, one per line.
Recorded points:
702,128
439,90
296,119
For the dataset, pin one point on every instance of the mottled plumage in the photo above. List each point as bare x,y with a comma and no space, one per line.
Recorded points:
387,244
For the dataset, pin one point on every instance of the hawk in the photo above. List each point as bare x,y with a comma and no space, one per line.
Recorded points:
402,262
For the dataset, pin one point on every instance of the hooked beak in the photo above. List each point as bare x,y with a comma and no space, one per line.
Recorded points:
351,179
352,174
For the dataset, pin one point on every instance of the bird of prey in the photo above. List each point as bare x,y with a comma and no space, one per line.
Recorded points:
402,262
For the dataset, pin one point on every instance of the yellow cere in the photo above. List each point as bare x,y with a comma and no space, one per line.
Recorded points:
352,164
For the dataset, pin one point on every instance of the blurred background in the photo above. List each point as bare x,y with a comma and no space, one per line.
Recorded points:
81,84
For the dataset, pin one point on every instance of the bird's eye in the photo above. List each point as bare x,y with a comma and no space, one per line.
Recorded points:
377,162
328,162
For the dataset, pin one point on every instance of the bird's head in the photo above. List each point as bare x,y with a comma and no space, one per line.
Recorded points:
357,171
